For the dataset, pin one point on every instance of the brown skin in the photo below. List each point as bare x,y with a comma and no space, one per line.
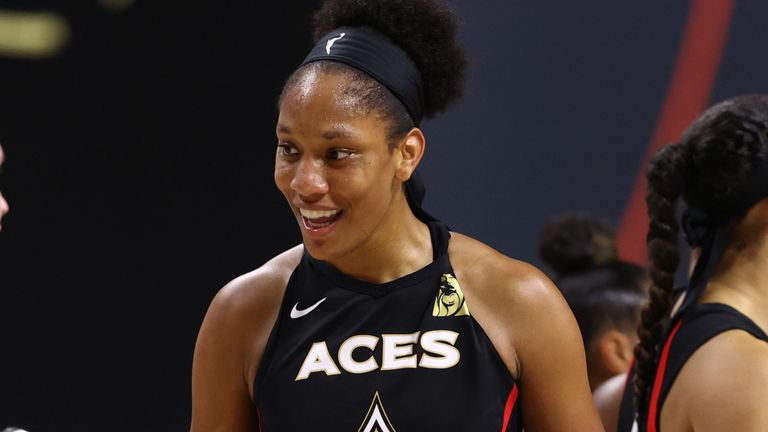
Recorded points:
734,364
3,203
610,355
330,158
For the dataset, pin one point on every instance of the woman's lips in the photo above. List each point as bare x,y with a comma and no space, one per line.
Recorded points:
319,222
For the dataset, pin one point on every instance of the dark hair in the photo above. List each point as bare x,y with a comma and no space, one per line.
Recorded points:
603,291
425,29
708,168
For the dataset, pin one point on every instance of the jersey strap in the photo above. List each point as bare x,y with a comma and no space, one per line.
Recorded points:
693,329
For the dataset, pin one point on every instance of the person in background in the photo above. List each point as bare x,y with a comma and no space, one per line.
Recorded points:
604,292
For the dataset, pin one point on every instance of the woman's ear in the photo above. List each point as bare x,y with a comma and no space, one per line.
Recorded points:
615,351
410,151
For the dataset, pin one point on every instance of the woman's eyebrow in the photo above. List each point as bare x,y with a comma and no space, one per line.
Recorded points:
334,133
338,133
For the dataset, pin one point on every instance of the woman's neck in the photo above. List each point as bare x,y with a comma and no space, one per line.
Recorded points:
741,281
400,245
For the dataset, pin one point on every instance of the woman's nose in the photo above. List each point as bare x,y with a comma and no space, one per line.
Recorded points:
309,180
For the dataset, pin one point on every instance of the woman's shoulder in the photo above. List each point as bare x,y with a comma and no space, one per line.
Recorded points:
513,301
264,284
490,272
256,294
733,361
735,365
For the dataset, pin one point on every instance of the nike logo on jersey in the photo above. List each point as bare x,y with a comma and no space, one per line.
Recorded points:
298,313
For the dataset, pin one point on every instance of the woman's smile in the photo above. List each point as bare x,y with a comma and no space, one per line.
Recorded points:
319,222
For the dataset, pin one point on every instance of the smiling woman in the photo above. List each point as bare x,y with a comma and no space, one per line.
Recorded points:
382,313
330,165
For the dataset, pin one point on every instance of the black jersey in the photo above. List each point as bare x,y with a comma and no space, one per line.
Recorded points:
698,325
407,355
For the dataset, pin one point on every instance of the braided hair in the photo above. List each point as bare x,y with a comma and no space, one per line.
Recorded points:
713,162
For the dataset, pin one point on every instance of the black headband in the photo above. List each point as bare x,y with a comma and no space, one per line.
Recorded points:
705,229
373,54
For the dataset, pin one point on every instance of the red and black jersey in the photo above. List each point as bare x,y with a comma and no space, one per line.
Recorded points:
407,355
693,329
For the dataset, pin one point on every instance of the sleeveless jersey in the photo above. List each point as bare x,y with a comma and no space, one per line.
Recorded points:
697,326
406,355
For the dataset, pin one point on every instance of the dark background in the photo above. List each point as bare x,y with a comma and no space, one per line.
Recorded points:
139,171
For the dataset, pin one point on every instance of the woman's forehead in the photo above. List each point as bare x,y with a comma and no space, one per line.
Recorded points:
337,86
327,95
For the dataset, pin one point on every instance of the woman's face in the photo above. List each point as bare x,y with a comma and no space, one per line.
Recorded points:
334,166
3,203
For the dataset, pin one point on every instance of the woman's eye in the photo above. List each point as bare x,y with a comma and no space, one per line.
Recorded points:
338,154
287,150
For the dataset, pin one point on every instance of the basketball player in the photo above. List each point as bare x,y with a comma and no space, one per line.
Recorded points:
604,292
3,203
382,320
702,361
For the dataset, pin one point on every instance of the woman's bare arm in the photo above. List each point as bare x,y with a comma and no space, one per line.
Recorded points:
230,343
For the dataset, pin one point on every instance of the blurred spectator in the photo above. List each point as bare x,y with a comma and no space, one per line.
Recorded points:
604,292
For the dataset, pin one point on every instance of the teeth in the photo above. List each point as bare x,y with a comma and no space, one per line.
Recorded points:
316,214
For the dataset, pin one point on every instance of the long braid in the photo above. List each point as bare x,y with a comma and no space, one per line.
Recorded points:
715,159
666,179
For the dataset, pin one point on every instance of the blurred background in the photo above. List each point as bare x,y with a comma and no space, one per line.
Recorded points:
139,141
